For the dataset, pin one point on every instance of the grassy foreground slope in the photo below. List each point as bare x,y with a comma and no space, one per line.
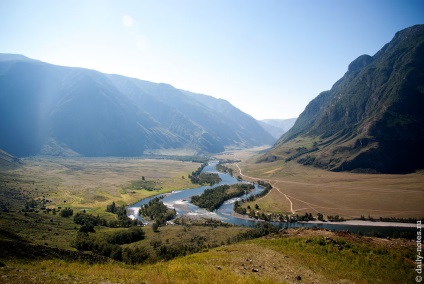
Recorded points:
295,256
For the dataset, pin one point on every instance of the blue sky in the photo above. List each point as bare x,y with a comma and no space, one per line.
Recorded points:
268,58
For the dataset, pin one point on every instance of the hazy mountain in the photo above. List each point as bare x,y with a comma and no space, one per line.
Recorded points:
74,111
8,161
372,118
277,127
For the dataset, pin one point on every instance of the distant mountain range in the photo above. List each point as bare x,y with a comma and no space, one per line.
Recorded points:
56,110
371,120
277,127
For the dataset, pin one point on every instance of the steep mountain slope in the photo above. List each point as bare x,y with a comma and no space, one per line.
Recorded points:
73,111
277,127
371,119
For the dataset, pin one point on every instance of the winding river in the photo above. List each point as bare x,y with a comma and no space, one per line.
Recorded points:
180,200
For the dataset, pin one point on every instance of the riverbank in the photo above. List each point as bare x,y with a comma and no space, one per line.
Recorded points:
348,222
365,223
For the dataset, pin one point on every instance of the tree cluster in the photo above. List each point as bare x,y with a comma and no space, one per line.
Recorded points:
184,221
261,229
109,246
167,252
88,222
266,185
128,236
335,218
213,198
157,211
198,243
205,178
240,210
307,217
199,170
198,177
223,169
123,220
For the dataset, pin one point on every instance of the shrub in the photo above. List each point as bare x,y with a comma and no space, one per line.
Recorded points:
66,212
126,236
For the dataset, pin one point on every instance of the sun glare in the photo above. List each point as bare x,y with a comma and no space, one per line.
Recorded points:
128,21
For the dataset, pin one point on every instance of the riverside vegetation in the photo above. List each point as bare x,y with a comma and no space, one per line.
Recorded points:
53,227
213,198
204,178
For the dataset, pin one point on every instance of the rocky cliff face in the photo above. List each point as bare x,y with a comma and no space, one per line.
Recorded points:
371,119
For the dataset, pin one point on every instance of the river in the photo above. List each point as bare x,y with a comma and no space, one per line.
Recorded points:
180,201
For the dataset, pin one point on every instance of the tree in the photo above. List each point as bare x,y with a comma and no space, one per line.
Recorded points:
111,207
155,226
83,241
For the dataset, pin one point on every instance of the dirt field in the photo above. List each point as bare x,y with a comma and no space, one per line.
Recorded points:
300,189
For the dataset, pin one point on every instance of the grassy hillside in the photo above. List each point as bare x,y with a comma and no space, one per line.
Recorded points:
295,256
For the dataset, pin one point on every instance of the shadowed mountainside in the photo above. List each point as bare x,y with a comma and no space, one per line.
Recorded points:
371,119
57,110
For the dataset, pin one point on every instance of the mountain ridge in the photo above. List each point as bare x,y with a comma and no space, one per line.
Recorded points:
50,109
370,120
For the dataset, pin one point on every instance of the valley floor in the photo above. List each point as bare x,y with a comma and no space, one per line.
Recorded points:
36,246
299,189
